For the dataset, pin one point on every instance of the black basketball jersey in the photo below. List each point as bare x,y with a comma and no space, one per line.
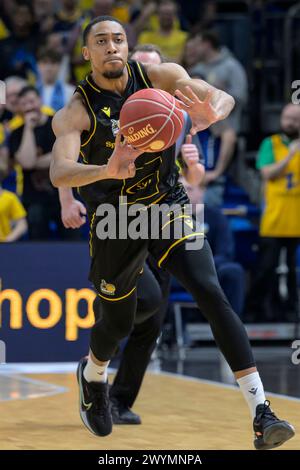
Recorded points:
156,173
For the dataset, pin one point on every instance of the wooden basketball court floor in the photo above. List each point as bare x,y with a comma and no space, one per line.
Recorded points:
40,411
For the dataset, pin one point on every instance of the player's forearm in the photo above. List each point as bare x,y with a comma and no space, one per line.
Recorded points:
27,152
65,195
194,174
222,102
68,173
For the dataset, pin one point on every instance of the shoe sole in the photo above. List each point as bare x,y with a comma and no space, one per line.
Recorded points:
274,436
82,413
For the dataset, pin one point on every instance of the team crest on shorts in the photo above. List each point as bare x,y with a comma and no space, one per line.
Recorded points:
115,126
106,288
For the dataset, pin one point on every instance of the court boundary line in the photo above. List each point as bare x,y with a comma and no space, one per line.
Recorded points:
57,389
70,367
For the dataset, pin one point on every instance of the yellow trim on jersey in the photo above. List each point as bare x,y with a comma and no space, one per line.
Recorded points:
91,234
118,298
176,243
129,69
94,116
91,85
83,157
142,75
175,218
151,161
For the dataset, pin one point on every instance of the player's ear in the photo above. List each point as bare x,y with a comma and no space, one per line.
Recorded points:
85,53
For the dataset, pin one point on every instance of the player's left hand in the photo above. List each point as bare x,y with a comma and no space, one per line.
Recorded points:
202,113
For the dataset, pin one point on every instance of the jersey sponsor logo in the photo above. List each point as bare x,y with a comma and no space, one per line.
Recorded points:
109,144
106,111
140,185
115,126
145,132
106,288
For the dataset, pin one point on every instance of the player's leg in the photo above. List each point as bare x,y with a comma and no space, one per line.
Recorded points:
140,345
195,270
232,280
116,265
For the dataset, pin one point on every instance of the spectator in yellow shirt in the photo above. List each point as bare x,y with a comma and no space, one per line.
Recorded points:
170,40
12,215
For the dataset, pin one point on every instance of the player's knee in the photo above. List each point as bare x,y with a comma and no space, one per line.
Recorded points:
148,303
118,326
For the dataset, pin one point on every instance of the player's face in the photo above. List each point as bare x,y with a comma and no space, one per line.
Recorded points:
107,49
290,121
147,57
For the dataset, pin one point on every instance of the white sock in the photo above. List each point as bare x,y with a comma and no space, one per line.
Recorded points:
95,373
253,391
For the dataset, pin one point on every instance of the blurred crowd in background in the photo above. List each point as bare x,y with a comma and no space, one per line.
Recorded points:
252,185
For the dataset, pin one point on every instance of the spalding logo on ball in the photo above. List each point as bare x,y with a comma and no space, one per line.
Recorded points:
151,120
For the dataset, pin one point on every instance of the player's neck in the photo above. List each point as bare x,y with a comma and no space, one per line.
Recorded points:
117,85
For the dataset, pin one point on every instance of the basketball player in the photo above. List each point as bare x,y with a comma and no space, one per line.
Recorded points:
89,125
152,291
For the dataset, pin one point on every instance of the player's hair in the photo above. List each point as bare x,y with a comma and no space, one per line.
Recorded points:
28,89
148,48
97,20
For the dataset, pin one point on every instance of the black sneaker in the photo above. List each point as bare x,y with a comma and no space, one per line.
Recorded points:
270,431
122,414
94,404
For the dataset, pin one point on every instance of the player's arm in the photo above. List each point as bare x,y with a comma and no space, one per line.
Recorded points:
204,103
68,124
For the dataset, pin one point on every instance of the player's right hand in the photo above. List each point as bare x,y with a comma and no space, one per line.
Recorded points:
121,163
73,214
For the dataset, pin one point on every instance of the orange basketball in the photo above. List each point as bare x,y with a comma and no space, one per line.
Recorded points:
151,120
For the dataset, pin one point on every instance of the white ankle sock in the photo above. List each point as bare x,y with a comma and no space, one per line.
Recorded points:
253,391
95,373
